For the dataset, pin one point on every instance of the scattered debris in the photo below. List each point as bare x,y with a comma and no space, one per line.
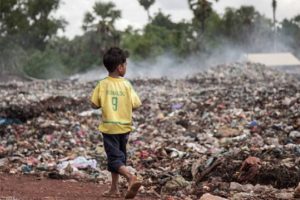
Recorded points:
231,132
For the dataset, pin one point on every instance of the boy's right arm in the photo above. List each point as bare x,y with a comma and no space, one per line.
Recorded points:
95,99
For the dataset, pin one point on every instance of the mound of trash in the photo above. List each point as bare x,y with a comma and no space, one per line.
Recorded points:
231,132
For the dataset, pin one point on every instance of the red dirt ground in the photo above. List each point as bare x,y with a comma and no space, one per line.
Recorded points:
20,187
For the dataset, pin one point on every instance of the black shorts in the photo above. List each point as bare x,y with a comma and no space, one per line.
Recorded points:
115,148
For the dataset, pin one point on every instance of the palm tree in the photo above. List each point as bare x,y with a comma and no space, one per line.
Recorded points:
147,4
274,6
202,9
105,12
99,26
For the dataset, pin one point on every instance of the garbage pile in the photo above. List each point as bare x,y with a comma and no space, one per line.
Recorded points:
231,132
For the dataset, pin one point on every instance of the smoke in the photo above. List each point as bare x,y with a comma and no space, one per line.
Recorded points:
170,66
260,40
165,66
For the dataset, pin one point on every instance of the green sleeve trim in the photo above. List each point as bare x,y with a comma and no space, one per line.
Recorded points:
102,80
116,122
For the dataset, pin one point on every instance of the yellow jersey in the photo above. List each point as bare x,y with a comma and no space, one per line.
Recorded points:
116,97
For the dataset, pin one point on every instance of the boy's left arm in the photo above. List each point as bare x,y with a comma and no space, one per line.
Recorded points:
94,106
136,102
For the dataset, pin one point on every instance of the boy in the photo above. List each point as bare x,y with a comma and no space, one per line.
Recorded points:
116,97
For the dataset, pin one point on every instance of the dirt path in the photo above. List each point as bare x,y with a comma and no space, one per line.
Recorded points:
30,188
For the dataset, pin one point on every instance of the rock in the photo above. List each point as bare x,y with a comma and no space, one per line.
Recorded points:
250,168
228,132
208,196
294,134
242,196
196,147
297,123
284,195
287,101
261,188
2,151
256,141
3,162
241,188
297,191
177,182
272,141
236,187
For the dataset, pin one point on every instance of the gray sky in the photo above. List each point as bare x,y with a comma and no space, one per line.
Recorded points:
135,15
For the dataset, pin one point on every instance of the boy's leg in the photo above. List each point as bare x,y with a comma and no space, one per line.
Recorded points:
115,148
123,139
114,189
111,146
129,176
133,183
114,182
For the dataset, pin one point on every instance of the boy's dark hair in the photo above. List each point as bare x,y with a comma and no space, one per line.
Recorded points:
113,57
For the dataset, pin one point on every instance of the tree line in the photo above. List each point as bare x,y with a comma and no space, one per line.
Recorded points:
29,43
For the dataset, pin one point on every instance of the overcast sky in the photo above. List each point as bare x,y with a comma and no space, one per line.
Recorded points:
135,15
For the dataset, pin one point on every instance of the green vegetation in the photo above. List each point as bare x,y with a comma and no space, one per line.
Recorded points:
29,43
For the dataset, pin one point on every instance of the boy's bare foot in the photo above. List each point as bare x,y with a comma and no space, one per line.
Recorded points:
133,188
112,194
